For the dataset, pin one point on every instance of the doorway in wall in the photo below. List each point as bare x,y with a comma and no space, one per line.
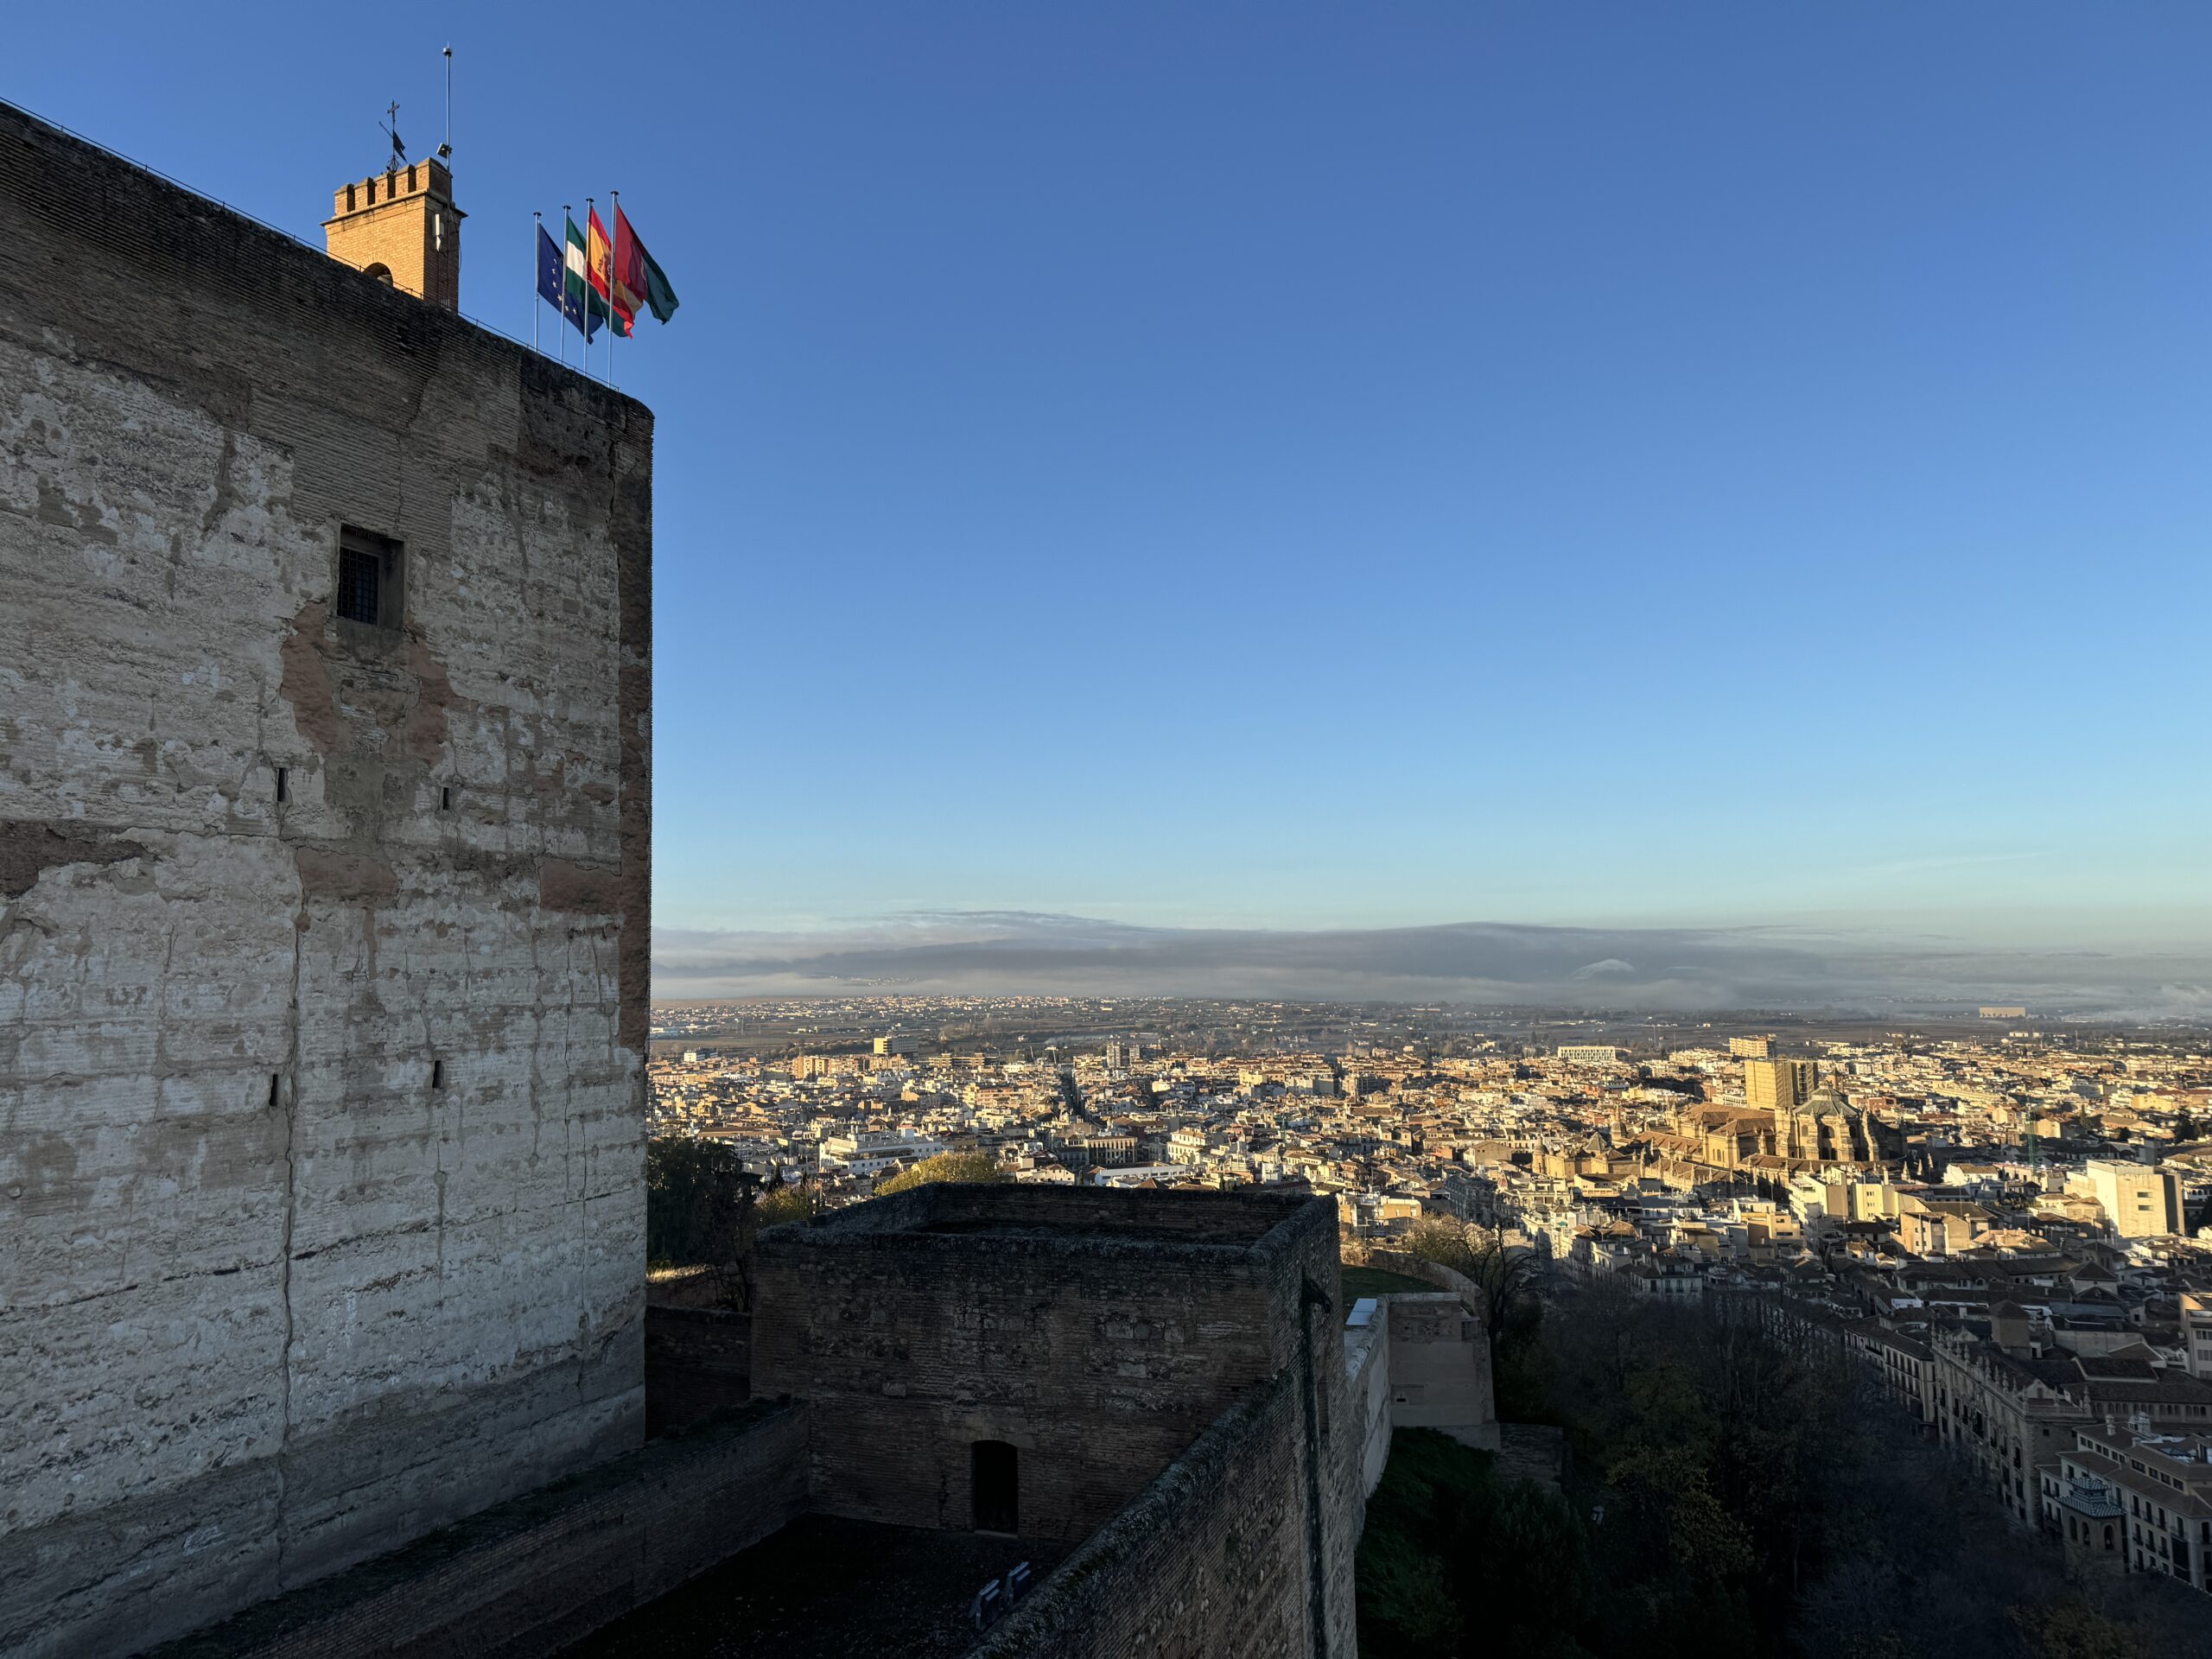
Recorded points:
995,1479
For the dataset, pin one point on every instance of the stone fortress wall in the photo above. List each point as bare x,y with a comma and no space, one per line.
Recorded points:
1438,1365
1098,1332
1178,1351
526,1579
1209,1562
324,999
1240,1547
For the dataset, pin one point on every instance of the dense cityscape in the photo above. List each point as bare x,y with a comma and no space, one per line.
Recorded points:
2005,1226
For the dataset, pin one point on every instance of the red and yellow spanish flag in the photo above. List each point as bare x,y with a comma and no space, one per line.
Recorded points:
599,261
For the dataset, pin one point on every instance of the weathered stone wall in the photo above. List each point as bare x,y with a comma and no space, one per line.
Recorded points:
1211,1562
1439,1368
323,997
1099,1332
1367,1394
531,1576
1440,1374
697,1360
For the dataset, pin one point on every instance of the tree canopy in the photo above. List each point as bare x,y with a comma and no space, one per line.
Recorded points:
699,1200
1509,1276
1727,1496
945,1166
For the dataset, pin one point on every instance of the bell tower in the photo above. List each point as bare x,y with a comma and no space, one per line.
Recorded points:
401,227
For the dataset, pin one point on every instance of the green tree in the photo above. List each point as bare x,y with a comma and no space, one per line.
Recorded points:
2073,1630
1509,1276
786,1199
1511,1280
973,1167
1444,1243
1729,1495
699,1202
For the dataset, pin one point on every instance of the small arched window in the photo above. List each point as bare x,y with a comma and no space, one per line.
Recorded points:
382,273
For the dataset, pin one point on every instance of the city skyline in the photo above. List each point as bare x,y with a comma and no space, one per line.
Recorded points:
1296,472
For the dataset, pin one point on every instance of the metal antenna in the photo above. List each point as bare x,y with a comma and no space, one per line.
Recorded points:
445,151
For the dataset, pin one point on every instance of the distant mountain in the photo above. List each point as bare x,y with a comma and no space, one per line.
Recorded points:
1671,970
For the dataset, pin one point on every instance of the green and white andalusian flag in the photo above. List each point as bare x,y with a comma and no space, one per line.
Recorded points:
583,299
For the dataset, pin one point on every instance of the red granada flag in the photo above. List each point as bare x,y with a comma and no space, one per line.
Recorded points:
640,282
599,263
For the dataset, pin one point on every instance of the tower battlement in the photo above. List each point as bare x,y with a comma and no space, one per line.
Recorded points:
402,227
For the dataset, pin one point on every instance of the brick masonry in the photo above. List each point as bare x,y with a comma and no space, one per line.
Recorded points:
402,226
1107,1336
321,1105
956,1314
1209,1562
1212,1559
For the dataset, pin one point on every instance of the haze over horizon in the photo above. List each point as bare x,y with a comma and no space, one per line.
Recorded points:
1661,969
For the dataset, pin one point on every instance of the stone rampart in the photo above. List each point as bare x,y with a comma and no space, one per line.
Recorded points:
325,722
1096,1333
1210,1561
529,1577
1367,1390
1440,1360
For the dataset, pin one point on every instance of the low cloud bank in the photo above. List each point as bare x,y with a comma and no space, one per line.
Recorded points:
1013,953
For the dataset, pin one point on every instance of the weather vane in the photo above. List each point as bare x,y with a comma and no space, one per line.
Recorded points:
391,129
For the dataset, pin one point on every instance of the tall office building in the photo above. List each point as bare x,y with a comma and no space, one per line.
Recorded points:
1773,1084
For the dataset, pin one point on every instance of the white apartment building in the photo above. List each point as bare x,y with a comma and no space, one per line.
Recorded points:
2138,1200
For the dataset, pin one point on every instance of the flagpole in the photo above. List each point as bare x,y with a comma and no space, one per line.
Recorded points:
564,285
538,227
591,205
614,197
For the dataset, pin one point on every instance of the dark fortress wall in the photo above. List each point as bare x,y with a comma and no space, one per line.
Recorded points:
321,1107
1091,1331
1211,1562
697,1360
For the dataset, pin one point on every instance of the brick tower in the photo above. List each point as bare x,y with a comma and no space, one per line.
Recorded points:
401,226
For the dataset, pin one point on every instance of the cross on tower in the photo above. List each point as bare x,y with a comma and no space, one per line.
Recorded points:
392,126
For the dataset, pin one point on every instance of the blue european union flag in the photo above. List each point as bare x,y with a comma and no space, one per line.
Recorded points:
553,286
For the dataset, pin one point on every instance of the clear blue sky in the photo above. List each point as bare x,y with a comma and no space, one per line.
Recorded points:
1275,465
